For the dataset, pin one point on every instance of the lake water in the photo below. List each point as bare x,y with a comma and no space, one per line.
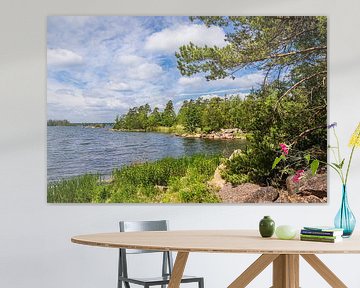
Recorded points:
76,150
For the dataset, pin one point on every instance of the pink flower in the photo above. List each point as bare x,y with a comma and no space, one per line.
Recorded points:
298,176
284,148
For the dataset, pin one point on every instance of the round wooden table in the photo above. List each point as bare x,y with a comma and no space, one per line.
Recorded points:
284,254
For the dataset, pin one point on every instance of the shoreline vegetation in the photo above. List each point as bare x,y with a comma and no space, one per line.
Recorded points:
169,180
224,134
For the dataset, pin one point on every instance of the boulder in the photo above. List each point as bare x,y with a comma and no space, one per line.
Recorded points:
235,153
309,185
231,130
217,181
248,193
285,197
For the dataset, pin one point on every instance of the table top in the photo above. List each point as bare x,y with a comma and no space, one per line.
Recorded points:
217,241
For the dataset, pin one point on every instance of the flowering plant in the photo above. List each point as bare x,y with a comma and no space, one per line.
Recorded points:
338,165
297,174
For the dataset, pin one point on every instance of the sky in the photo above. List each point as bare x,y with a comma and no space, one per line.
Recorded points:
100,66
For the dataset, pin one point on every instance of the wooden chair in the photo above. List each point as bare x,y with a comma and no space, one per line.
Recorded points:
167,262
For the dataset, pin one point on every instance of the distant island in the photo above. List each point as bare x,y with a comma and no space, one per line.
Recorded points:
65,122
59,123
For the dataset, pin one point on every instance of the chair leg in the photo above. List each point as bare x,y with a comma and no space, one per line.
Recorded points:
201,283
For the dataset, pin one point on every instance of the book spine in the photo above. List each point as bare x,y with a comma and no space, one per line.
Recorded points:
320,233
319,236
318,239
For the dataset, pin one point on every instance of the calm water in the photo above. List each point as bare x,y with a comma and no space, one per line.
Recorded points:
76,150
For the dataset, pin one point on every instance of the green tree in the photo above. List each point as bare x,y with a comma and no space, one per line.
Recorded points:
213,115
266,43
181,117
137,118
155,118
234,112
169,115
290,106
143,113
192,115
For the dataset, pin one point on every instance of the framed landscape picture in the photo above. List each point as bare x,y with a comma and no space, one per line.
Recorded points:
178,109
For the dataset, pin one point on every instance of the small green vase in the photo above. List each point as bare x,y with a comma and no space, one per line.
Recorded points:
266,226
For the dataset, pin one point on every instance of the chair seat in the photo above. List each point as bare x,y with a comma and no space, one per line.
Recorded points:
158,280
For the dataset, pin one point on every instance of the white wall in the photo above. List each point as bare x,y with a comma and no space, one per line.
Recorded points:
35,248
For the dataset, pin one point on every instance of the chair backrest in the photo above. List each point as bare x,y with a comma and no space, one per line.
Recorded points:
134,226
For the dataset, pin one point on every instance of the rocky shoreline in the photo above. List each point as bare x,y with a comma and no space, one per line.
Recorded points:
233,133
223,134
310,189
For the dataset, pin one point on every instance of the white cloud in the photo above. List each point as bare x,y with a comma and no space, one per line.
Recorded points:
130,59
246,81
197,85
63,57
119,86
115,103
67,100
137,67
190,81
241,94
209,96
170,39
145,71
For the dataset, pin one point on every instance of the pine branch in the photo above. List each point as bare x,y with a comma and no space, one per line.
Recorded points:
306,132
296,85
276,56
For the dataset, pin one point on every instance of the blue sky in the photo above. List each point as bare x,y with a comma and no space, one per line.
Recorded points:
100,66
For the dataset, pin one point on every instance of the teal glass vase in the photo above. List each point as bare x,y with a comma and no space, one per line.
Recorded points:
345,219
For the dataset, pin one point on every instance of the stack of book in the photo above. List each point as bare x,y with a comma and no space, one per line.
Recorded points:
321,234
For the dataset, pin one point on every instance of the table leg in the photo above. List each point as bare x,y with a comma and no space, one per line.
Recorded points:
286,271
178,270
253,270
324,271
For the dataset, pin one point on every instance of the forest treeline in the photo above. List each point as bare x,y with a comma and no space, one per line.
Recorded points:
205,115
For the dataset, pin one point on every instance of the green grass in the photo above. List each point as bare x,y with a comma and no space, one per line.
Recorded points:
169,180
75,190
176,129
